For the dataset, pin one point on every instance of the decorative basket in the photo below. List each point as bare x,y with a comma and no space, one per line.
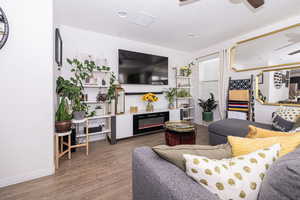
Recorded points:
179,126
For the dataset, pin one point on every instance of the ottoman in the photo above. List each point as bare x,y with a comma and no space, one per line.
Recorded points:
218,131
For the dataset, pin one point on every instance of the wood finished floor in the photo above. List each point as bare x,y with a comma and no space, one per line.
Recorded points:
103,175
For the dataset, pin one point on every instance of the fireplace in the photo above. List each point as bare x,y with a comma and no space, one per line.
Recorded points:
151,122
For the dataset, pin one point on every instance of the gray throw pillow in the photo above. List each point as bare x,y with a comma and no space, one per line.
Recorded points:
282,181
280,124
175,154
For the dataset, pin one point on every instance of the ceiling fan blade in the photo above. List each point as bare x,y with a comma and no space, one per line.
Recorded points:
184,2
295,52
256,3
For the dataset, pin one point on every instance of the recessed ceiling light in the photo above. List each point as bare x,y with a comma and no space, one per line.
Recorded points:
193,35
122,14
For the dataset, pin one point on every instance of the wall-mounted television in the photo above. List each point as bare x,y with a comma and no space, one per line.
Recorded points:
141,68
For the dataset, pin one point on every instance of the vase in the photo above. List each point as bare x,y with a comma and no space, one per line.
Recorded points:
208,116
149,107
79,115
171,106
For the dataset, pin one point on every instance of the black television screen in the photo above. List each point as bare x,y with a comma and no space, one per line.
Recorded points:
140,68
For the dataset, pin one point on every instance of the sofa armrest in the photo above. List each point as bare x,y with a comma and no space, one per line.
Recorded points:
157,179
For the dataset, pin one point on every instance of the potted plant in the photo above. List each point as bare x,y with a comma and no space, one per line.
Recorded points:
208,106
186,70
183,93
65,90
170,95
63,117
99,111
150,98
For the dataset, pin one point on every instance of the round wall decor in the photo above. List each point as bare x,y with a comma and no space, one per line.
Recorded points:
4,28
278,80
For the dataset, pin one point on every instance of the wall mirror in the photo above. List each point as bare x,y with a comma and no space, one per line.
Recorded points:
275,49
279,86
4,29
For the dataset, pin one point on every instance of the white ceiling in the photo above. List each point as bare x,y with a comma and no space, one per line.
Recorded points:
212,21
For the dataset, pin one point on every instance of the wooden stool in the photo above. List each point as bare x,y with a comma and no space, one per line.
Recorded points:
60,148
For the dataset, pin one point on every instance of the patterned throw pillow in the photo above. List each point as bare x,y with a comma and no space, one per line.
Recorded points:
236,178
289,113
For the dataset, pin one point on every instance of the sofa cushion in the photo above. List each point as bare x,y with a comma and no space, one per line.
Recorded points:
255,132
175,154
280,124
235,178
241,146
234,127
282,181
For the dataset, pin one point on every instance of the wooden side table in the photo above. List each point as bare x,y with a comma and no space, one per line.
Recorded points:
59,137
179,132
86,143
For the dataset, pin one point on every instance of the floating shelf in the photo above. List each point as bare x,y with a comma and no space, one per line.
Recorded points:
96,133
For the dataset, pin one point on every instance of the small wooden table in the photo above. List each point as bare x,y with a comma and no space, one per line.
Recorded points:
180,132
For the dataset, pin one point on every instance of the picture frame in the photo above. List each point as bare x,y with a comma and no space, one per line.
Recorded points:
261,78
58,47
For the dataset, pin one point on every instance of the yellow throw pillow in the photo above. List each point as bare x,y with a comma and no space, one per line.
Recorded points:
242,146
255,132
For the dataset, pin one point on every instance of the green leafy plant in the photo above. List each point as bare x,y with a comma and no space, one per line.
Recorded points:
81,71
170,94
209,105
183,93
111,90
62,113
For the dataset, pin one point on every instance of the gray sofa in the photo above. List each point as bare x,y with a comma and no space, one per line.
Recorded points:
218,131
157,179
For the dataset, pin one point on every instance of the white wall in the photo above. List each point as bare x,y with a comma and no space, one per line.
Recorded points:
26,84
78,42
262,112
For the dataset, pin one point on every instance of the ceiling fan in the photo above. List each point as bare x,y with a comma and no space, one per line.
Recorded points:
253,3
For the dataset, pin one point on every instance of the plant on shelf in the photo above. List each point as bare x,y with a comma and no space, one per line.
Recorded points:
65,90
183,93
98,111
208,106
186,70
170,95
81,71
112,87
150,98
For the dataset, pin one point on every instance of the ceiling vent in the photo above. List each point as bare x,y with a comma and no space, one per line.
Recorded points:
142,19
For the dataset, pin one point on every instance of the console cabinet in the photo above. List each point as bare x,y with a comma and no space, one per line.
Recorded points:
124,123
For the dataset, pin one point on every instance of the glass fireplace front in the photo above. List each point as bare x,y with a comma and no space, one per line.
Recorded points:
146,123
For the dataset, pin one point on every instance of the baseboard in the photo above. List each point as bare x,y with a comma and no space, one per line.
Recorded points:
26,177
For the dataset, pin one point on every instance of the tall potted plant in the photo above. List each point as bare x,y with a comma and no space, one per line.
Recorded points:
65,90
208,106
63,117
170,95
